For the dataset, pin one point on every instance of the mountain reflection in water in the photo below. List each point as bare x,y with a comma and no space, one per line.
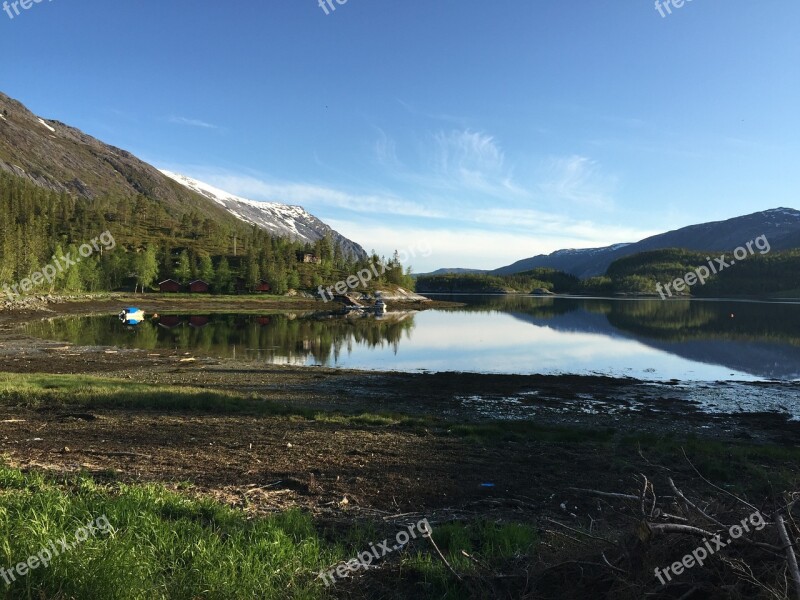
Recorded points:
648,339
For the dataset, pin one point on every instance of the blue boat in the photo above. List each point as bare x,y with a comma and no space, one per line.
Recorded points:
131,316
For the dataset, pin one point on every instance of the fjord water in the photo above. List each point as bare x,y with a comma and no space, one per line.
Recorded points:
688,340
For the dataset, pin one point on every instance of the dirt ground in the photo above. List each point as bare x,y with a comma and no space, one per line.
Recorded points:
269,463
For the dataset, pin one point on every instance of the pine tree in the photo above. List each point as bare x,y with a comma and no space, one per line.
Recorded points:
223,282
147,267
183,272
206,268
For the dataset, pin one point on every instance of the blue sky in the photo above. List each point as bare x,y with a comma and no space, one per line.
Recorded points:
490,131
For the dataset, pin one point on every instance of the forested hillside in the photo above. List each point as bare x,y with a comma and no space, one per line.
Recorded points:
151,245
776,274
479,283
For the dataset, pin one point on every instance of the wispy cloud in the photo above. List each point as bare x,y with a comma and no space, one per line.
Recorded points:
477,246
578,180
191,122
466,163
385,149
467,152
575,233
310,195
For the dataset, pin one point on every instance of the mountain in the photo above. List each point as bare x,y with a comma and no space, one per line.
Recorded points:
780,225
453,271
63,159
279,219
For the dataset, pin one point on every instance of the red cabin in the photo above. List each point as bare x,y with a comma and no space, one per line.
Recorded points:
170,286
198,286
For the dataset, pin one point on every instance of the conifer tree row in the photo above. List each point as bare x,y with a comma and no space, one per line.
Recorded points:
152,245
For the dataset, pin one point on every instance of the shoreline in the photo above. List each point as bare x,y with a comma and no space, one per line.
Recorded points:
353,450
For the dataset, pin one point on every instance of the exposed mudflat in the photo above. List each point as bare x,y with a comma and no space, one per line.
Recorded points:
268,463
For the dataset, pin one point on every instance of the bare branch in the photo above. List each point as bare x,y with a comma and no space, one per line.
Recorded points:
692,504
578,531
791,559
605,494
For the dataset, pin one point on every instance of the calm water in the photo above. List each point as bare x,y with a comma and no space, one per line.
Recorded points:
649,339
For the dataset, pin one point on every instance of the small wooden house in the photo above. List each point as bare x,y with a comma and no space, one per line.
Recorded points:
198,286
262,287
306,257
169,286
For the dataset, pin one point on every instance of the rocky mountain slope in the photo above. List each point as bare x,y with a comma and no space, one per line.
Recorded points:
61,158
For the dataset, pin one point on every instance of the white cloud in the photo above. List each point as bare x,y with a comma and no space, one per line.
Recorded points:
191,122
476,247
540,224
577,179
309,195
470,161
467,151
386,150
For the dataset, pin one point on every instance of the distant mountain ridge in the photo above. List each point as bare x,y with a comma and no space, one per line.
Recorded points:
451,272
64,159
780,225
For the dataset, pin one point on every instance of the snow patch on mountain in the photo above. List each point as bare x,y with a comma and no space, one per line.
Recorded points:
282,220
45,124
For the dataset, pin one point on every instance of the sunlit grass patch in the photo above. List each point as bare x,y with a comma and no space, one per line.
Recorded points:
163,545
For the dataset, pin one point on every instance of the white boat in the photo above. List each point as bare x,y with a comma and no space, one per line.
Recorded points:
131,316
380,305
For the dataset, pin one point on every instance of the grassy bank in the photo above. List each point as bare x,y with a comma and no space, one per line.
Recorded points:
164,545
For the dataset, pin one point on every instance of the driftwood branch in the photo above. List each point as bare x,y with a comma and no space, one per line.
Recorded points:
605,494
678,528
692,504
791,558
579,532
439,552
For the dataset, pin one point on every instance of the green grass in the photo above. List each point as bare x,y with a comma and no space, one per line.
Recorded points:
163,545
742,467
42,390
509,431
497,546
